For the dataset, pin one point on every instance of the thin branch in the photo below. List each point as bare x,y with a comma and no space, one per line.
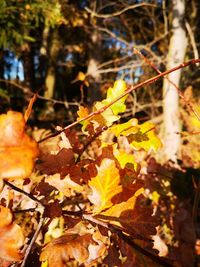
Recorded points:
128,240
94,14
130,65
89,142
23,192
112,35
141,250
28,250
192,40
132,88
55,101
24,89
176,87
28,91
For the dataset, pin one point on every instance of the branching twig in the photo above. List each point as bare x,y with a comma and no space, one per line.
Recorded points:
141,250
132,88
128,240
90,142
28,250
23,192
177,88
94,14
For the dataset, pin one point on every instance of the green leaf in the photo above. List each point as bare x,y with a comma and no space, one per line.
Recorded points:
113,92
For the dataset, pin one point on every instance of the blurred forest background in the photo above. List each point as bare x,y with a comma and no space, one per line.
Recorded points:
71,52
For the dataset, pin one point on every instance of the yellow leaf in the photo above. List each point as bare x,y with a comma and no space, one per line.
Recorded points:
194,121
82,113
112,93
125,128
124,158
116,210
80,76
145,138
106,117
104,186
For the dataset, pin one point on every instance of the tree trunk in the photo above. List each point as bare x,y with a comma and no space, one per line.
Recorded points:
176,54
53,48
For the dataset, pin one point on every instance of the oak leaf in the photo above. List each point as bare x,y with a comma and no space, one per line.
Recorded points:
78,243
107,115
82,113
145,138
116,210
139,136
66,248
113,92
17,150
105,185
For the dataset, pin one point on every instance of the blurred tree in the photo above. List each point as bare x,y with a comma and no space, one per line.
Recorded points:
58,39
176,54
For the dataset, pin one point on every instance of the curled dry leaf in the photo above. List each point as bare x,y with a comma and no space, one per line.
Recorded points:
17,150
11,237
79,243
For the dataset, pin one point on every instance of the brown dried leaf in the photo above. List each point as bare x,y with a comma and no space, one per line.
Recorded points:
66,248
79,243
51,164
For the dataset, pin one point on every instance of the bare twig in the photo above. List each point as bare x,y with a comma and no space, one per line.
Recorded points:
23,192
28,250
176,87
128,240
94,14
132,88
28,92
192,40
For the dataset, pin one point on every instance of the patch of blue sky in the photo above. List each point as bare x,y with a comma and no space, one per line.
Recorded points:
13,68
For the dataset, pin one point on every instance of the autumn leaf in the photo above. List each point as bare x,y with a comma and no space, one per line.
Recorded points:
116,210
113,92
82,113
78,243
29,108
17,150
124,158
140,220
109,114
125,128
139,136
145,138
104,186
66,247
82,77
11,237
51,164
64,185
105,118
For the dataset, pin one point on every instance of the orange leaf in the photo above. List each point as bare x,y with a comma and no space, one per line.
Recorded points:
17,150
29,108
11,237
